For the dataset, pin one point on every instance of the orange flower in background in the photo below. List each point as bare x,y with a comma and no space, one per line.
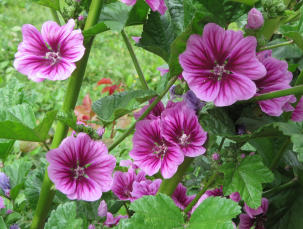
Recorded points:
111,89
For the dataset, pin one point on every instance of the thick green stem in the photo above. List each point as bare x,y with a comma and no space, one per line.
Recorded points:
292,183
276,46
291,91
168,186
276,160
135,60
146,112
73,88
55,16
204,189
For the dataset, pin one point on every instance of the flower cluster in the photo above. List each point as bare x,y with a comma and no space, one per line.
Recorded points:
167,135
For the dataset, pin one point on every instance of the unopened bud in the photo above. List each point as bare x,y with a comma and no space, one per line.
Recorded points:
266,3
216,156
280,7
80,18
255,19
192,101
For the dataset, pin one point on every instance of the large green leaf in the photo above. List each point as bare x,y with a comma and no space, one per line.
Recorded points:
49,3
297,140
265,148
246,2
291,32
214,213
17,172
2,223
68,118
112,107
5,148
64,217
246,178
20,131
288,51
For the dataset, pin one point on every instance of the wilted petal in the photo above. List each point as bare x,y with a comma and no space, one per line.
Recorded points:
246,222
1,203
102,210
4,184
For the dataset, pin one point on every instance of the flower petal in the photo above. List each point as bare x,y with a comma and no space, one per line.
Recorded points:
172,158
154,4
129,2
87,190
246,222
102,209
63,179
71,48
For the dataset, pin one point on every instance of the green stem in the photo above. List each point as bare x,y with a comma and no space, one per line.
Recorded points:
46,146
168,186
55,16
221,144
135,60
277,158
204,189
291,91
276,46
288,185
146,112
73,88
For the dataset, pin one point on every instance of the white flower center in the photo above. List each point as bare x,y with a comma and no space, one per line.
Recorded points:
159,150
53,56
79,172
219,70
183,139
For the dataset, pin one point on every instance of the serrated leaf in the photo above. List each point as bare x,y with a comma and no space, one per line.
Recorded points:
19,131
218,122
2,224
64,217
157,211
112,107
214,213
13,217
68,118
17,172
54,4
290,31
5,148
246,178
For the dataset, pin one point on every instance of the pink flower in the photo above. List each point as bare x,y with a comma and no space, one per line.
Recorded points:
81,17
146,188
1,203
111,221
91,226
220,65
55,61
235,196
9,211
123,183
180,125
219,192
155,112
166,70
255,19
129,163
297,115
202,198
216,156
152,152
243,155
136,39
102,209
180,198
81,168
253,216
155,5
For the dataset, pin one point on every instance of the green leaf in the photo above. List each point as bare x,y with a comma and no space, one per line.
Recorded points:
112,107
68,118
288,51
5,148
265,148
13,217
214,213
246,2
17,172
2,224
290,31
300,28
157,211
163,82
48,3
19,131
246,178
217,122
297,140
64,217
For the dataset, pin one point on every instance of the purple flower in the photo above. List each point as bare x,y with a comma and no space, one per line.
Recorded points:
145,188
15,226
253,216
51,54
180,125
9,211
129,163
81,167
136,39
216,156
172,92
297,115
219,192
240,129
155,112
235,196
91,226
255,19
155,5
1,203
102,209
81,17
166,70
180,198
220,65
252,153
192,101
123,183
243,155
152,152
100,131
111,221
4,184
202,198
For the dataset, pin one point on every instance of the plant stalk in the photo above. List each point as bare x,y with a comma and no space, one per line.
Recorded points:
276,46
276,160
73,88
55,16
288,185
204,189
135,60
146,112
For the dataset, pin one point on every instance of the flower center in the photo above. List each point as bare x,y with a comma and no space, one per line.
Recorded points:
219,70
159,150
53,56
261,219
183,139
79,172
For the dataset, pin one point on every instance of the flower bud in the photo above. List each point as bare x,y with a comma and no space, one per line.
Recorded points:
255,19
242,155
192,101
261,41
4,184
100,131
273,9
266,3
15,226
80,18
9,211
216,156
280,7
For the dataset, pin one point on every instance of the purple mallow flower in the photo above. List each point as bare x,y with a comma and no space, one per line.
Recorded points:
297,115
219,192
180,198
9,211
216,156
155,5
155,112
180,125
51,54
220,65
112,221
123,183
166,70
254,217
202,198
91,226
102,209
81,17
152,152
240,129
129,163
243,155
81,167
145,188
15,226
4,184
255,19
136,39
192,101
